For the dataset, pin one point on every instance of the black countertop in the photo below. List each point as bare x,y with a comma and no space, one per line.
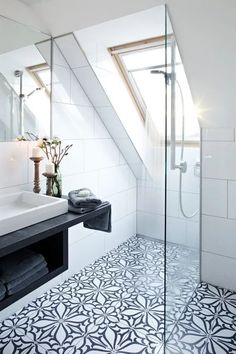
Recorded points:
23,237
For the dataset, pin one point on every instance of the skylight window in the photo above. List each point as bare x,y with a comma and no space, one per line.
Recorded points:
135,61
41,74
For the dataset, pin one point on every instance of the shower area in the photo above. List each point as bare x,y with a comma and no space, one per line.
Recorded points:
163,259
168,196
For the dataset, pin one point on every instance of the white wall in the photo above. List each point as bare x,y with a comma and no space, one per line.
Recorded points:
64,16
219,207
94,162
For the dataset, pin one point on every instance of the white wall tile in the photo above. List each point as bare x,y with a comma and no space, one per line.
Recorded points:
219,160
100,131
14,164
114,180
77,232
176,230
219,236
218,134
214,197
191,205
219,270
151,225
151,200
190,182
73,53
172,204
92,87
100,154
72,121
61,84
120,231
58,58
232,200
192,235
77,95
82,180
73,163
86,251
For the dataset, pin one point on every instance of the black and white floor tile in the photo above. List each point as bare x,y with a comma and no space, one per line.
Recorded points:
207,325
116,305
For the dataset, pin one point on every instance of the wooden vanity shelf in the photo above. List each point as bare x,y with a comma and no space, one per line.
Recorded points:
50,238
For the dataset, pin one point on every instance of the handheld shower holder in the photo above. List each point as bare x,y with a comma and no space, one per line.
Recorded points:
182,166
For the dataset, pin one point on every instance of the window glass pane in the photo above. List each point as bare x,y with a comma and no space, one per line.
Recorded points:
144,58
45,76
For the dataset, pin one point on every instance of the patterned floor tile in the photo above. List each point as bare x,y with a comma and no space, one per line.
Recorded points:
125,338
205,327
116,305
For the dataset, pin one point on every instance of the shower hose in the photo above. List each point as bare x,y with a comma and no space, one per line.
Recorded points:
188,216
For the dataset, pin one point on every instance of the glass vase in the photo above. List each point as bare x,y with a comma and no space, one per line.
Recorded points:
57,183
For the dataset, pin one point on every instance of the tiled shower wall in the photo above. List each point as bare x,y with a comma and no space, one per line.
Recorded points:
94,162
219,207
151,203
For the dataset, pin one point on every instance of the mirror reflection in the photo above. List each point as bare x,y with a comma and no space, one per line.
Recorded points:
25,81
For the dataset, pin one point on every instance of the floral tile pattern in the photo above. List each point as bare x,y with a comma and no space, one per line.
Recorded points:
207,325
116,305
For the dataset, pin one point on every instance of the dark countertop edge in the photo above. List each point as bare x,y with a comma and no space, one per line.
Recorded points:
46,228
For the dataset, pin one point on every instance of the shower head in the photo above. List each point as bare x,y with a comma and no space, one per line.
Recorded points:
158,72
18,73
167,76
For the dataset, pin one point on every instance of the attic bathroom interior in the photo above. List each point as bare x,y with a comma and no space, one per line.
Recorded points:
118,177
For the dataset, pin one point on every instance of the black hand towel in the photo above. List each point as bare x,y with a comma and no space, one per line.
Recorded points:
2,291
24,277
18,263
101,222
36,276
77,210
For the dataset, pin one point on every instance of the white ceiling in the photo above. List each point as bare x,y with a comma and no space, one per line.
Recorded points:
63,16
32,2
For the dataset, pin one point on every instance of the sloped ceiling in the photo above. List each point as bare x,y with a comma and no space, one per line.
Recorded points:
206,34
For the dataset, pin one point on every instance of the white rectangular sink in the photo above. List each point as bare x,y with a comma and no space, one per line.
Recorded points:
22,209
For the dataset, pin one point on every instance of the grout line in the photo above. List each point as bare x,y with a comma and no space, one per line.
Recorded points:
219,179
220,217
219,141
72,104
218,254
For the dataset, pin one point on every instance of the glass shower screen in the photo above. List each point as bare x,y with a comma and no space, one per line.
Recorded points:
182,236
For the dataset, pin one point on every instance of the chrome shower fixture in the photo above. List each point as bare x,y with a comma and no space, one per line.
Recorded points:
167,76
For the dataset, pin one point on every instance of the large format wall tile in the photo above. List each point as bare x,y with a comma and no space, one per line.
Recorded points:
219,160
218,134
232,200
14,164
219,236
219,270
214,197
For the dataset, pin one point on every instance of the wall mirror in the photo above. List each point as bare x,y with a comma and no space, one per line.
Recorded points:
25,81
